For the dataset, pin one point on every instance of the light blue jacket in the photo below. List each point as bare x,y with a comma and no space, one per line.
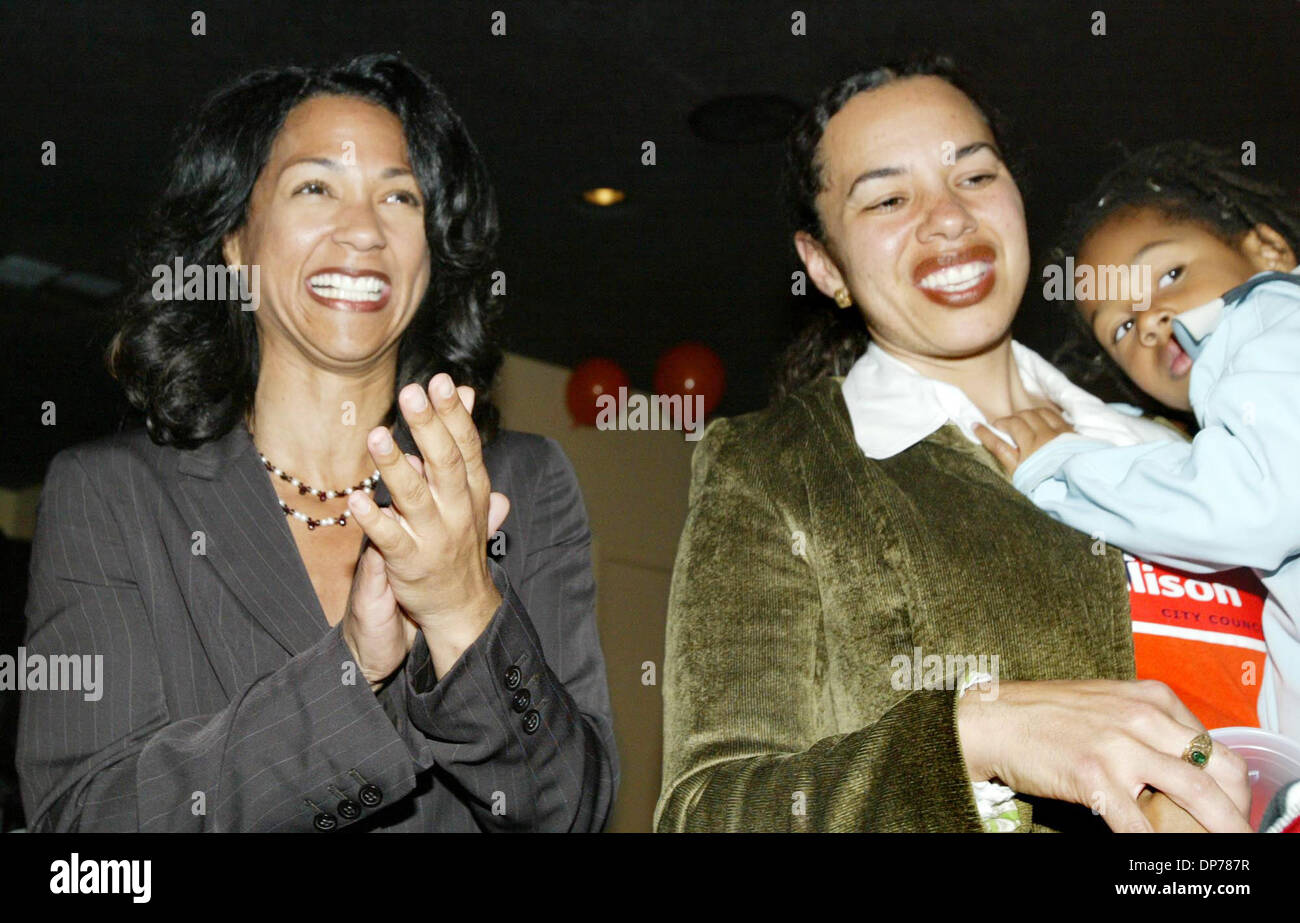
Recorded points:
1228,498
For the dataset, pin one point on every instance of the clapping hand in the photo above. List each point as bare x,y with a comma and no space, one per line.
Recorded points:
432,541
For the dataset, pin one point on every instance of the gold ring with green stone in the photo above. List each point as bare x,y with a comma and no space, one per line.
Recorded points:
1199,750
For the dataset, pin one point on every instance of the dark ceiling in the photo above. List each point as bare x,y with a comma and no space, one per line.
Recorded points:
563,102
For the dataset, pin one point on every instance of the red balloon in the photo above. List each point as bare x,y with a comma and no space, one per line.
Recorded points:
689,369
588,381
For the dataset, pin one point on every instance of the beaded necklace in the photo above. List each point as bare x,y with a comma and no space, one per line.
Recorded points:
367,485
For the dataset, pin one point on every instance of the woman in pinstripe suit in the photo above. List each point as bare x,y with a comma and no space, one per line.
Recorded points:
295,573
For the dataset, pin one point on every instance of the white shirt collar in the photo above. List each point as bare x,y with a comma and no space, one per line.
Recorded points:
893,406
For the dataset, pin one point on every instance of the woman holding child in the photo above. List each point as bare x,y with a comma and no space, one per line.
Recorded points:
858,520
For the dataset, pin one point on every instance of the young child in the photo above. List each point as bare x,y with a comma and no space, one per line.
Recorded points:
1217,333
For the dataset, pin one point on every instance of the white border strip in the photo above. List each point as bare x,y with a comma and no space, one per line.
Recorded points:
1196,634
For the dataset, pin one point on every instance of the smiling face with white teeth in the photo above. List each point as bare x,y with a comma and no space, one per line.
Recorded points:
923,223
336,223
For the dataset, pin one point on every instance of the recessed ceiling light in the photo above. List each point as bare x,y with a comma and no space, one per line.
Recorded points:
604,195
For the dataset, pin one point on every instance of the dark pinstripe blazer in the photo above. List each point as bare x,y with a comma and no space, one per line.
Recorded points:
225,702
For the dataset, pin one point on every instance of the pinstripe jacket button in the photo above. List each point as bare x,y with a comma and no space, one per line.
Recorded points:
324,821
522,699
532,721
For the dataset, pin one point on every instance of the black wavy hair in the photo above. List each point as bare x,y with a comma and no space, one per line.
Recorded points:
191,367
1185,181
831,340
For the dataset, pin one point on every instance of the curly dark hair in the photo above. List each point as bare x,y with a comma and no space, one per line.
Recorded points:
191,367
1186,181
831,340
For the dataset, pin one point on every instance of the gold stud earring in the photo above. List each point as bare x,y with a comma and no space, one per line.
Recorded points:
843,298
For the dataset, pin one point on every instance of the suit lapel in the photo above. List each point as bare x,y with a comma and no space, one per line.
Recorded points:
854,519
843,455
247,540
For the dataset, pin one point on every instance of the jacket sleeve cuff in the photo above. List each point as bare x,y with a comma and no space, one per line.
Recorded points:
1048,460
922,788
371,767
497,701
314,743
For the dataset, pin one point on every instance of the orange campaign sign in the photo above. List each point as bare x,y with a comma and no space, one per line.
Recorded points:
1202,635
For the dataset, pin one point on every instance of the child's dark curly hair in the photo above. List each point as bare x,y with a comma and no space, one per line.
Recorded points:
1184,181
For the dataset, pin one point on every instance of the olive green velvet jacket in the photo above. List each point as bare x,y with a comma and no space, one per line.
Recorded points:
807,575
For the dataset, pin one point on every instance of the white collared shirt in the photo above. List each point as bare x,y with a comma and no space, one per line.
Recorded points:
893,406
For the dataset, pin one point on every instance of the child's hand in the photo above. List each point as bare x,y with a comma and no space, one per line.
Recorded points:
1031,430
1166,816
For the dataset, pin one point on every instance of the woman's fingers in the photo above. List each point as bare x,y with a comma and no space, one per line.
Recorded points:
1220,790
386,533
1225,767
1234,783
1121,812
418,467
1199,794
1168,726
1229,771
455,407
452,473
1162,697
1102,740
444,463
466,397
498,510
378,634
406,486
369,584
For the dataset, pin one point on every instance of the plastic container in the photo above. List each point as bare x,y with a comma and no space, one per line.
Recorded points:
1271,759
